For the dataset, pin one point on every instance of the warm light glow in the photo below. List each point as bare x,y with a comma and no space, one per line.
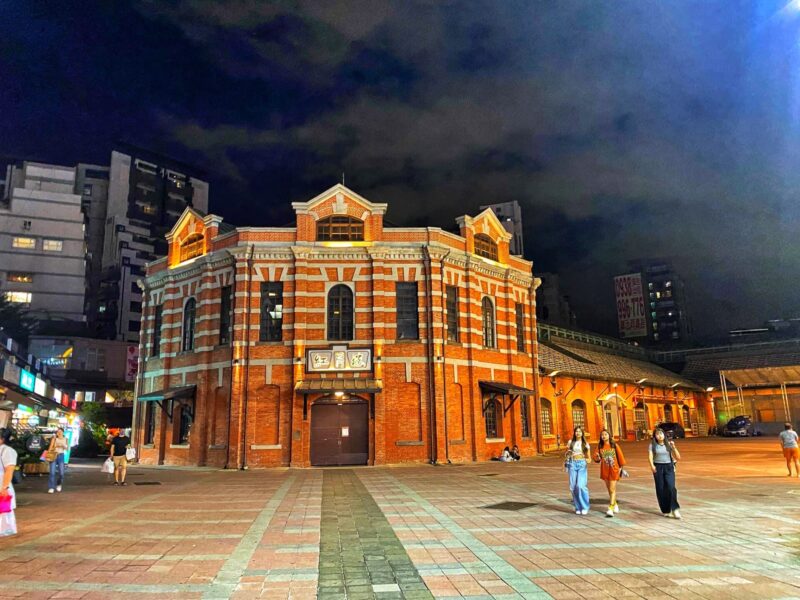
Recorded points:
339,394
554,373
344,244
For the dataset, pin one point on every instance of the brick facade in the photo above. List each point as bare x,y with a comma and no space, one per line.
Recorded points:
249,405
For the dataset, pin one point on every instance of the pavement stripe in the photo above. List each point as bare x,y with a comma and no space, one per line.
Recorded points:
103,587
230,574
359,550
517,580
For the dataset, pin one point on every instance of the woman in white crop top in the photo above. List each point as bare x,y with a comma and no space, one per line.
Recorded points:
578,453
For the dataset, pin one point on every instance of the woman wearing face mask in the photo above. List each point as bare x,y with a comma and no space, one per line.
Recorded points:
578,452
662,455
612,461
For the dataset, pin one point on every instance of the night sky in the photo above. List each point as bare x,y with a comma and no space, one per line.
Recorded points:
625,129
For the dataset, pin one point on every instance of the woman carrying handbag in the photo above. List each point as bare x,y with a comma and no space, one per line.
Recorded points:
55,456
8,500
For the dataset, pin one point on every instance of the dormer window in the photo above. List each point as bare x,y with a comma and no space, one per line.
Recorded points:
485,246
192,246
340,229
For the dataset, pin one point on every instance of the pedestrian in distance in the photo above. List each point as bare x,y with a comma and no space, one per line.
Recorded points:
119,448
612,463
791,451
57,452
663,455
515,452
8,500
578,452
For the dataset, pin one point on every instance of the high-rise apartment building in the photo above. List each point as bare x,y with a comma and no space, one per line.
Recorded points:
510,215
146,195
651,303
42,240
552,305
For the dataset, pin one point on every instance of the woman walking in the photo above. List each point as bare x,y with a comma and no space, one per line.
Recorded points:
612,461
662,456
578,452
58,447
8,463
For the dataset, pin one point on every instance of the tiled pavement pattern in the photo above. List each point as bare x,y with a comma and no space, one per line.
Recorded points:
380,532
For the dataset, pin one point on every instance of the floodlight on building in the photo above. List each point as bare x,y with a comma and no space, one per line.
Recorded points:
710,388
676,384
554,373
641,381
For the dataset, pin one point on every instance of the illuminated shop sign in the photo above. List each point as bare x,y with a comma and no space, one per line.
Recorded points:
337,359
11,372
57,395
27,380
40,387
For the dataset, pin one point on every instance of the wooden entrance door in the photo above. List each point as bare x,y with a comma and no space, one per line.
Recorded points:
339,433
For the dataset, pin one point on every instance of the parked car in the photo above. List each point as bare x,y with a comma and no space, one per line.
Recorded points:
740,426
673,430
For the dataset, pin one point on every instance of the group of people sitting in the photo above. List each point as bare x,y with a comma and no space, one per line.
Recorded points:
509,455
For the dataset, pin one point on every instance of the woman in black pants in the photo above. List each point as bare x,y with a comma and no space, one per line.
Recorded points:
662,455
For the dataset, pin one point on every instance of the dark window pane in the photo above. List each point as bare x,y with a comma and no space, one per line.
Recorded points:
271,312
340,313
150,423
487,314
225,316
452,313
407,311
520,328
485,246
491,420
524,407
188,326
547,417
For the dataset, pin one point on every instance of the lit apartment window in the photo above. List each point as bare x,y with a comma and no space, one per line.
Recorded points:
20,277
52,245
28,243
87,189
19,297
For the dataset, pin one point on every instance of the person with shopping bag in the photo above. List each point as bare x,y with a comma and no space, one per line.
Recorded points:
8,500
56,453
119,454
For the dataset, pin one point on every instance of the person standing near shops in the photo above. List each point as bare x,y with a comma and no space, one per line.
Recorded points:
578,452
8,463
662,455
791,451
612,463
57,451
119,447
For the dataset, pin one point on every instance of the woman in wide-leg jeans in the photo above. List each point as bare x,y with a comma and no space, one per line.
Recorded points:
578,453
59,445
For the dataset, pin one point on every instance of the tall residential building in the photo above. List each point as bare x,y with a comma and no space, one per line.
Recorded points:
42,242
651,303
147,194
510,215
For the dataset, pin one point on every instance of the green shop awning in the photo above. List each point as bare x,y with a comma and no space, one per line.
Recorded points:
169,394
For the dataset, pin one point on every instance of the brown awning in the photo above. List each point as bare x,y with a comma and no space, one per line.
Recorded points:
349,386
763,376
499,387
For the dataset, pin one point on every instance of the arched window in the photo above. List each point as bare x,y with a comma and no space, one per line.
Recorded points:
579,414
639,418
192,246
487,313
188,325
687,421
547,417
340,228
525,416
494,418
485,246
340,313
668,413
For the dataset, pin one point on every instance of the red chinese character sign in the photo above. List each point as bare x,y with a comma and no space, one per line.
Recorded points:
630,305
132,363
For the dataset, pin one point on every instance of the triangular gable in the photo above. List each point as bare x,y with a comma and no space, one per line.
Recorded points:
340,194
485,222
189,215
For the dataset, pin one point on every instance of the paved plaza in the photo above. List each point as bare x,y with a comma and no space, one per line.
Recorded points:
412,532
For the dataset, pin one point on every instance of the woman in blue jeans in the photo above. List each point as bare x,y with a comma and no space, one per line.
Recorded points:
578,453
58,444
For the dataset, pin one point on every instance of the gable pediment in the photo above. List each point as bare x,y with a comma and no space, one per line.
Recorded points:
339,200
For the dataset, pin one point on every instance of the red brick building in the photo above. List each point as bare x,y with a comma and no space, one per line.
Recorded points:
337,341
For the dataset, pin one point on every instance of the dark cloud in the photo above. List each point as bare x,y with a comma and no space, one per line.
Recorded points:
628,129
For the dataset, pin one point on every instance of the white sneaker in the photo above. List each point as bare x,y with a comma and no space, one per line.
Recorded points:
58,488
51,491
676,514
610,512
577,512
585,511
616,508
666,515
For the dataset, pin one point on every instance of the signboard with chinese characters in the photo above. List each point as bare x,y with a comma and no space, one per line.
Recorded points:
27,380
630,305
338,358
132,363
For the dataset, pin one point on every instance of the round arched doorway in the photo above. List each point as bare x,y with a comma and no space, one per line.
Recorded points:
340,431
